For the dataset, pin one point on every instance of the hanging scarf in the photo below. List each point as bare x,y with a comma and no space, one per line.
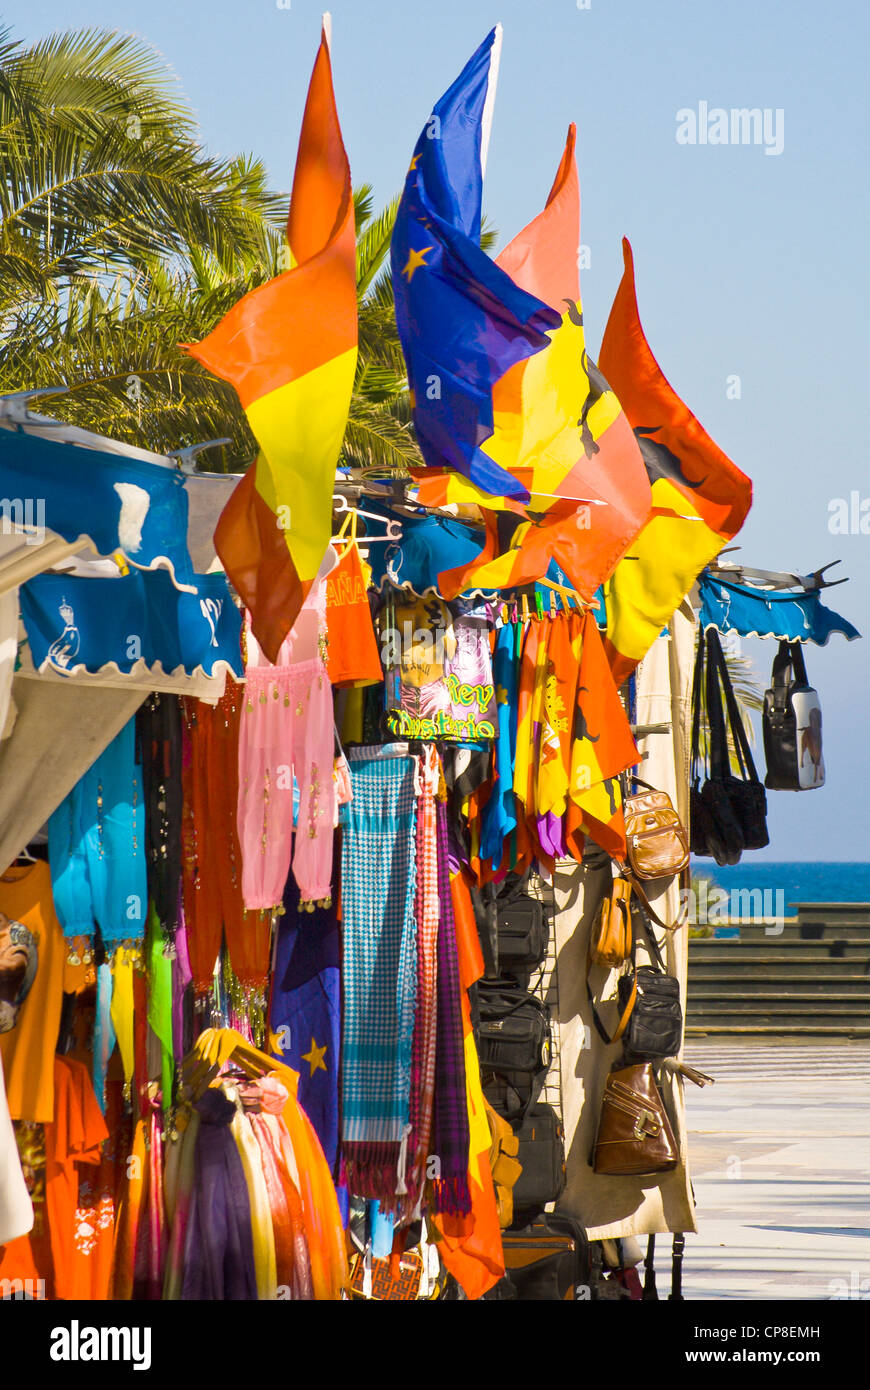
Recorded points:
158,734
127,1227
160,999
380,967
499,815
104,1033
427,909
265,1264
212,860
451,1135
292,1261
178,1189
219,1250
151,1238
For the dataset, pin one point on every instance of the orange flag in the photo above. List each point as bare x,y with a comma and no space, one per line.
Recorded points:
700,499
290,350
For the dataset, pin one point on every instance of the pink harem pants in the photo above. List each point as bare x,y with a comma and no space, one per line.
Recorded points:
286,731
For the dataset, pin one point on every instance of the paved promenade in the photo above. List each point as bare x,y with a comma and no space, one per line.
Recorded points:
780,1161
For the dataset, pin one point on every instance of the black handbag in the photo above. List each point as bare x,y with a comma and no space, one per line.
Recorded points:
728,813
523,933
655,1025
542,1157
514,1031
791,725
650,1013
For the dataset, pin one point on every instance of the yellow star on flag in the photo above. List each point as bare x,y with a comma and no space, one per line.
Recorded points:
315,1057
414,162
415,260
276,1045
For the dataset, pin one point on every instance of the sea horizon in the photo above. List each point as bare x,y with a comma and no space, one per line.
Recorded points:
808,881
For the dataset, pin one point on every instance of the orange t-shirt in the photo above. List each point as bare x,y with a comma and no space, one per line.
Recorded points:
352,657
28,1050
81,1221
71,1251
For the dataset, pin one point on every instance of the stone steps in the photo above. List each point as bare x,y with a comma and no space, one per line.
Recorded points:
813,977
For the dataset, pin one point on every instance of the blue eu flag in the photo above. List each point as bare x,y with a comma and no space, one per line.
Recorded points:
462,321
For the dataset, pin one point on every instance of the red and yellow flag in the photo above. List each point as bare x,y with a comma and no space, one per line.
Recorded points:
290,349
700,499
559,429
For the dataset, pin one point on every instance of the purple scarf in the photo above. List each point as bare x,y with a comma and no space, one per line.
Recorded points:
451,1136
219,1248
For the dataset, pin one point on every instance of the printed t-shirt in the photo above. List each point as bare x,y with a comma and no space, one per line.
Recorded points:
352,658
441,684
80,1218
70,1247
28,1050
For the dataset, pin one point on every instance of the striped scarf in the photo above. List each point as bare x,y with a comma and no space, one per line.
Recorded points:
379,968
425,1029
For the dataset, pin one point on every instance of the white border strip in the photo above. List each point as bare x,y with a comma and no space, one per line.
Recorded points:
489,104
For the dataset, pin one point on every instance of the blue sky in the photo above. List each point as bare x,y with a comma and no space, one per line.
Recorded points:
747,264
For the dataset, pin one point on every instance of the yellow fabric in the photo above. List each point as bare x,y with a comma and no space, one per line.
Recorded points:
300,428
265,1264
127,1225
657,572
480,1137
122,1007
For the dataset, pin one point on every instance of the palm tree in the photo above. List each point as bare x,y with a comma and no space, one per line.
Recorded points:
120,239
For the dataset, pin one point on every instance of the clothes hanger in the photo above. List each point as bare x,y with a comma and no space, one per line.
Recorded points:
341,505
214,1048
567,594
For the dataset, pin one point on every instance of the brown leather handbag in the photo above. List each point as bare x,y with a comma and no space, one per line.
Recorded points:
610,938
634,1138
655,837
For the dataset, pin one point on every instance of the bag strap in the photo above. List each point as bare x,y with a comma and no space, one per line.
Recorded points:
738,730
638,888
516,1115
655,949
697,694
520,1002
624,1017
797,661
638,914
641,783
719,766
781,675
